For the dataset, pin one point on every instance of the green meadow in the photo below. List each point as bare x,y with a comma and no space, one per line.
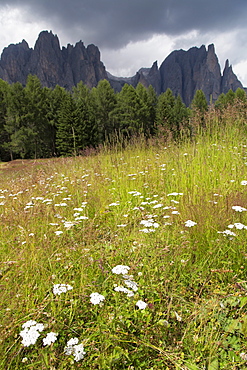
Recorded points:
157,229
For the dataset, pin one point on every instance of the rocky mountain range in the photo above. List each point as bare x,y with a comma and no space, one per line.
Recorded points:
183,72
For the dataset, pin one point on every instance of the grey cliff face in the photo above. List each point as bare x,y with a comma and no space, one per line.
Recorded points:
183,72
52,65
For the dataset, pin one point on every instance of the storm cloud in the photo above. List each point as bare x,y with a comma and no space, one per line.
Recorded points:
114,23
117,25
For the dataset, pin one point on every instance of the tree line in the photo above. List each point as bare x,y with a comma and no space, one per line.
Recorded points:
39,122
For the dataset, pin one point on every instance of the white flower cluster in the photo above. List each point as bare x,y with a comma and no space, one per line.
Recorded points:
31,332
190,223
239,208
141,305
150,225
227,233
121,269
129,282
61,288
96,298
50,338
75,349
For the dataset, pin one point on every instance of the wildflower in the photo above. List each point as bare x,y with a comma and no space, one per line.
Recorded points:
61,288
77,350
50,338
131,284
31,332
129,293
179,318
121,269
146,231
58,232
238,226
239,208
81,218
158,205
244,182
190,223
96,298
227,232
68,224
114,204
141,305
243,355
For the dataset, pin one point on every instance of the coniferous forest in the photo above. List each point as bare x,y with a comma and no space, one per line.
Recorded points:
39,122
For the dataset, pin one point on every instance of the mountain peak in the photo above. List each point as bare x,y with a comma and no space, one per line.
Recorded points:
183,72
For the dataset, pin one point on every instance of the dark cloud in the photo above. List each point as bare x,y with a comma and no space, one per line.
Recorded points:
114,23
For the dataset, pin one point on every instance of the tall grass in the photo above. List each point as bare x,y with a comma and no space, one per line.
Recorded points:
72,220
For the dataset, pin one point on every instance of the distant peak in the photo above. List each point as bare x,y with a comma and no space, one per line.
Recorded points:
211,48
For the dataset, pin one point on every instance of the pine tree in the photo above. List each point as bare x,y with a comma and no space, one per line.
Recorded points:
199,106
4,137
104,100
65,137
165,112
86,130
128,114
148,98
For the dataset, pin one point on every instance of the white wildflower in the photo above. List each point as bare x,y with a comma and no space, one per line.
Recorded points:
61,288
243,355
96,298
75,349
238,226
190,223
141,305
227,232
31,332
131,284
238,208
179,318
58,232
244,182
50,338
124,290
79,352
121,269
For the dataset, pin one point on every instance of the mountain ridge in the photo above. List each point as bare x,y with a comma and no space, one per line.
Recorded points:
182,71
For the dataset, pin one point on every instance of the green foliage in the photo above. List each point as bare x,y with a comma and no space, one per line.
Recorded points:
71,220
171,115
104,102
37,122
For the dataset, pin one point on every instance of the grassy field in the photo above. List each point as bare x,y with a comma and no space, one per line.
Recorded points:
157,231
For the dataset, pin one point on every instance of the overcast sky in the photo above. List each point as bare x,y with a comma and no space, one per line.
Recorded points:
133,33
